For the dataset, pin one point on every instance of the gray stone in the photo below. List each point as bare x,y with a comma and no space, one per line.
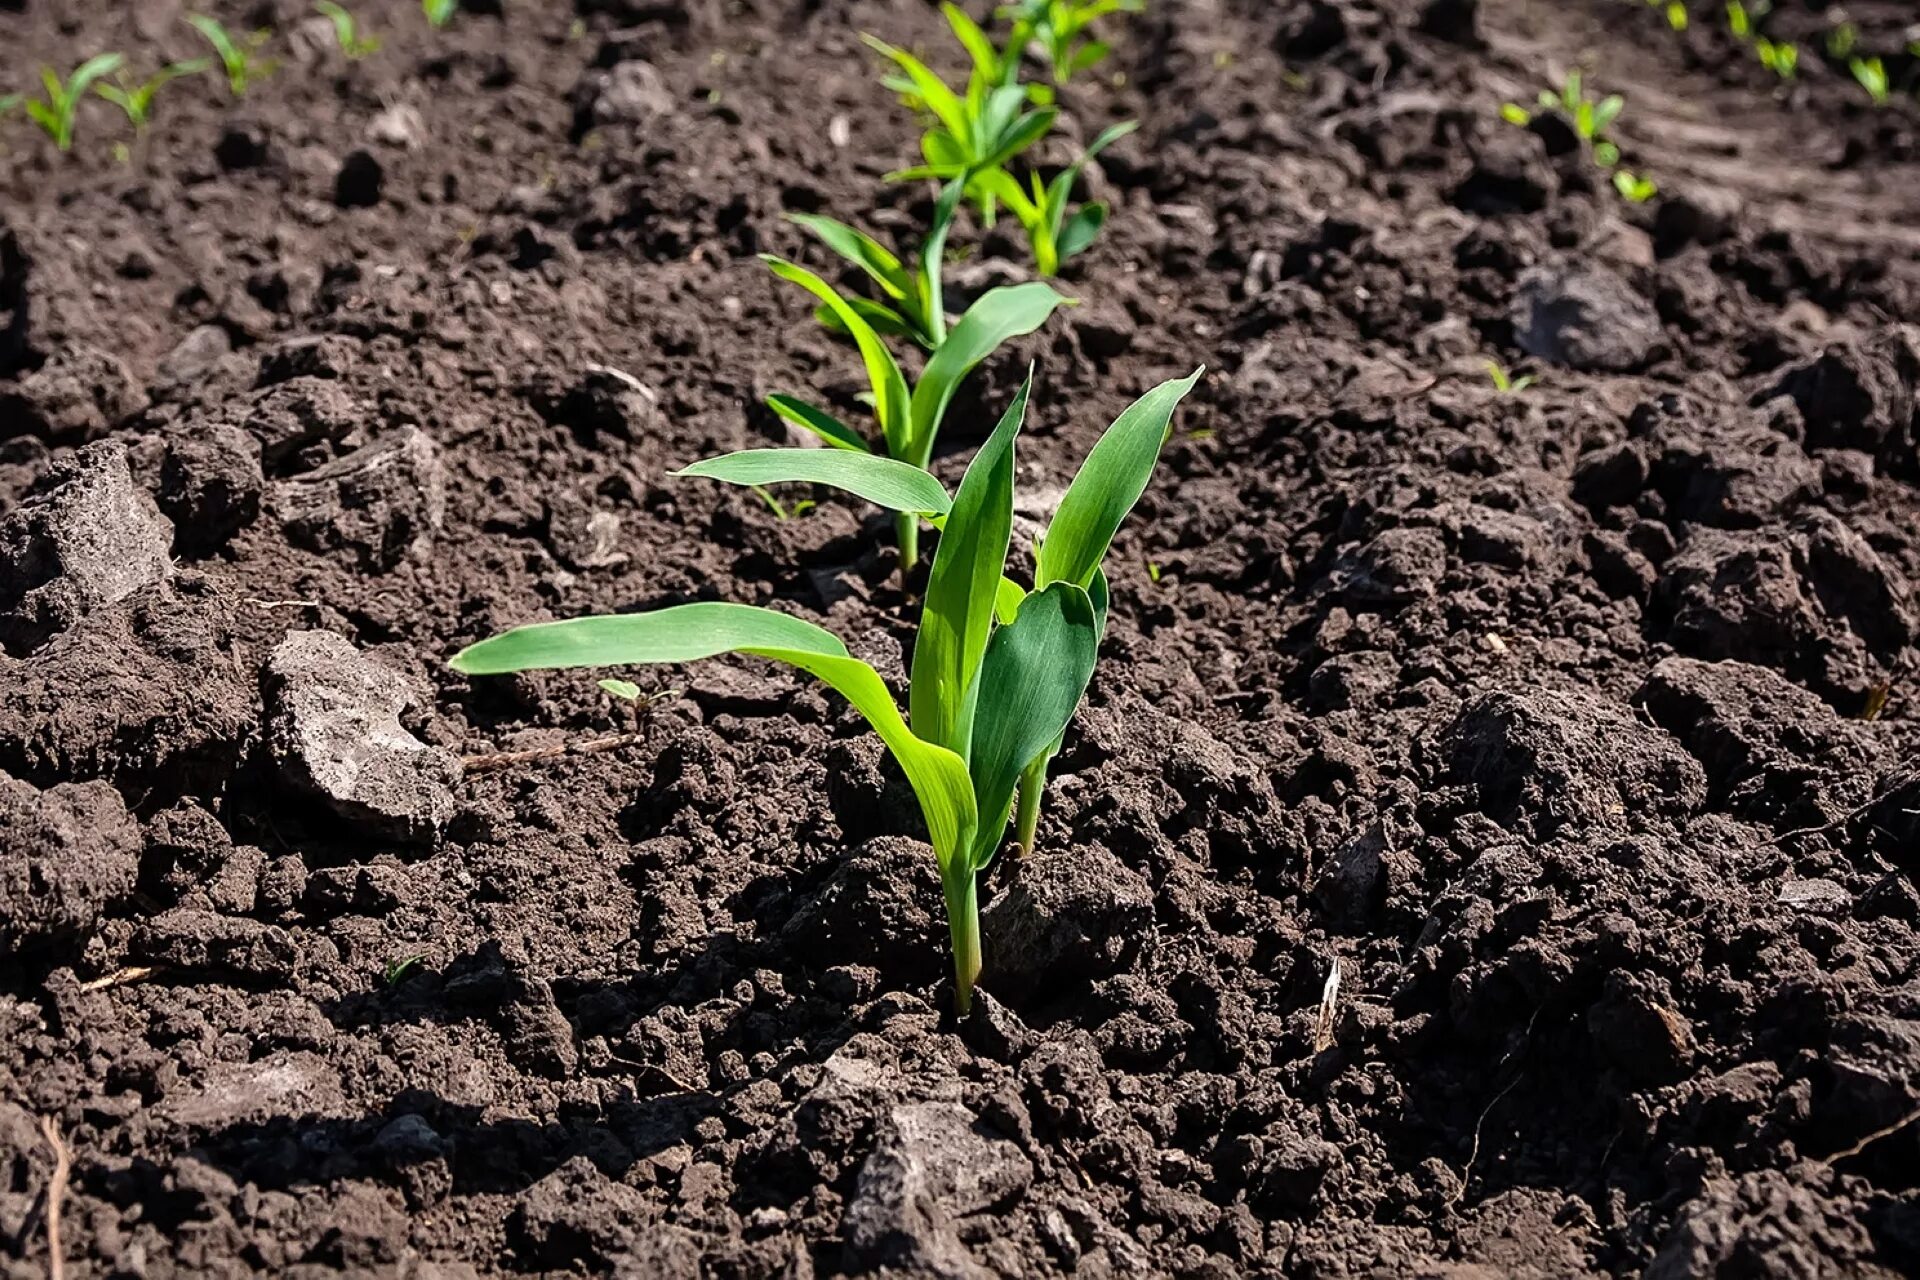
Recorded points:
195,355
334,732
935,1162
632,92
90,537
1584,317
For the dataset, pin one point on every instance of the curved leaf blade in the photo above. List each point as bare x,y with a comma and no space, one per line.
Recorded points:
819,421
897,486
1001,314
862,250
1108,485
890,397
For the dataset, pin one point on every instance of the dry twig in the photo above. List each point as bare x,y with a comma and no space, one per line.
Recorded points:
56,1196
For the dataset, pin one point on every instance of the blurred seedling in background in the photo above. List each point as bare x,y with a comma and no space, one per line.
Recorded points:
240,59
55,110
354,42
439,12
1053,236
1634,188
1063,30
1506,383
1843,40
137,99
914,296
1589,118
1782,58
1872,75
1743,16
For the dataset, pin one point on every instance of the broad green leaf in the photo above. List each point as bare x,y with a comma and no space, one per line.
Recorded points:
1007,312
690,632
964,583
1031,681
897,486
92,69
890,399
1017,137
1605,114
862,250
819,421
997,114
1082,229
1109,482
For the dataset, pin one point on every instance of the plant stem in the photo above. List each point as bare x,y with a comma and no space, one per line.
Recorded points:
963,919
906,527
1033,785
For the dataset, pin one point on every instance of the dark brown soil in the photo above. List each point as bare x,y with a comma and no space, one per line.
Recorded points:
1534,734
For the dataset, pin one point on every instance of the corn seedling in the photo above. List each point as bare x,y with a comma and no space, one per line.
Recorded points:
1842,40
353,42
1063,31
1505,383
1782,58
1743,17
971,133
914,298
997,671
398,969
54,112
782,511
909,419
1675,12
1053,236
240,59
439,12
1872,75
137,99
1634,188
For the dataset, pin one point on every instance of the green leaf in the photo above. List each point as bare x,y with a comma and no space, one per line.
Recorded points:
1007,600
944,104
819,421
1031,681
979,45
690,632
625,690
897,486
884,319
1088,55
933,253
92,69
1109,482
890,398
1608,110
1082,229
862,250
964,583
1017,137
1001,314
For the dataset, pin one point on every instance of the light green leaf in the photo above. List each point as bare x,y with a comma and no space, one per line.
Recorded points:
884,319
964,583
1031,681
1082,229
92,69
819,421
1001,314
862,250
979,45
625,690
690,632
1006,602
942,102
1109,482
897,486
890,398
1016,137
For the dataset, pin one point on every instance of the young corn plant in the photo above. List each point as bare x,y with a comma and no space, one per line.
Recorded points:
354,42
439,12
1041,209
971,134
997,671
1780,57
1506,383
240,59
136,100
57,108
1871,73
1062,29
909,418
914,296
1634,188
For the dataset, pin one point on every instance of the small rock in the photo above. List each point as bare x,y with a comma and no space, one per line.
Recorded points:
334,732
538,1036
398,125
359,182
282,883
210,485
1399,566
186,848
934,1162
79,394
417,1157
90,537
1584,317
325,356
382,502
582,537
195,355
66,853
632,92
1061,918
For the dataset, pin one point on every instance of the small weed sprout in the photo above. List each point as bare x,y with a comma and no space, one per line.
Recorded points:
55,111
1842,40
1676,12
1591,120
398,969
1782,58
354,42
137,99
997,672
1872,75
1041,210
909,418
1743,17
1505,383
439,12
1634,188
239,58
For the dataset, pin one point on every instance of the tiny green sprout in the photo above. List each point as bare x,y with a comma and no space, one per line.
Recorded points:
909,418
1872,75
398,969
1782,57
1063,31
782,511
54,112
353,42
439,12
914,302
1739,21
997,673
1505,383
1633,188
1153,571
8,101
1842,40
1676,14
137,99
239,58
625,690
1516,115
1041,209
970,134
